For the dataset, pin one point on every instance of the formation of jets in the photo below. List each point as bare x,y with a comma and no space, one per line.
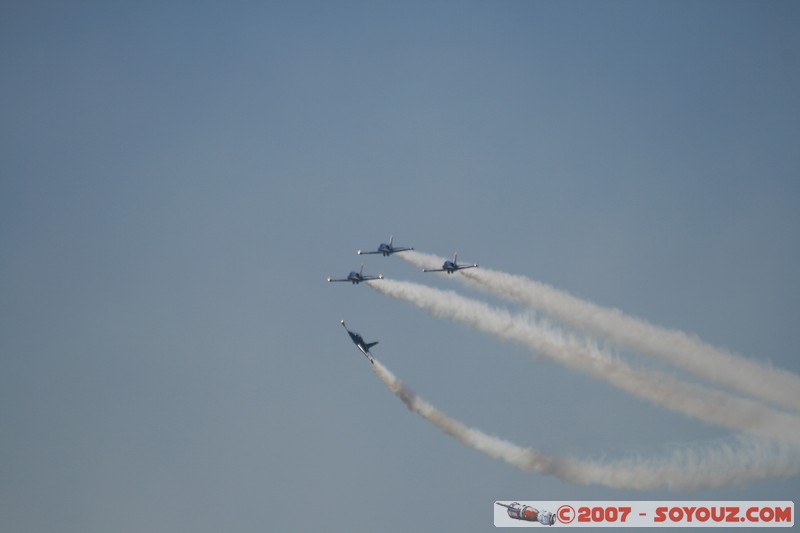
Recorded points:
387,249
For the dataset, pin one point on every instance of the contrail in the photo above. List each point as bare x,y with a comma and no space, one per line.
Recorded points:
758,380
711,406
683,469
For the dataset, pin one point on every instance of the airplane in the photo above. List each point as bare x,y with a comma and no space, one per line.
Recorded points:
357,277
358,340
529,514
451,266
385,249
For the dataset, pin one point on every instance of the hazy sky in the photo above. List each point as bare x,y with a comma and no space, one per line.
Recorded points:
177,179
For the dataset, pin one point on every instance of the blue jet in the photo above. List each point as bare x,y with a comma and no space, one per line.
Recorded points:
451,266
358,340
385,249
357,277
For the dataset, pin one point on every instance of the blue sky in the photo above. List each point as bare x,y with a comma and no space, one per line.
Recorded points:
178,179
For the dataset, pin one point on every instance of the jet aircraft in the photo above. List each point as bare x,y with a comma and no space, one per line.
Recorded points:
357,277
451,266
358,340
385,249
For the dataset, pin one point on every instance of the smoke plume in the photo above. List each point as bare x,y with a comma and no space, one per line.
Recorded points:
708,405
714,465
753,378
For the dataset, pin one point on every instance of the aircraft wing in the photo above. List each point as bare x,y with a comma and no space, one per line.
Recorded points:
367,354
360,252
433,270
370,278
401,249
334,280
462,267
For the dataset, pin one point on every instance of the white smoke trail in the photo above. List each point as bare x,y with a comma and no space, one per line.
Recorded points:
756,379
701,403
684,469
